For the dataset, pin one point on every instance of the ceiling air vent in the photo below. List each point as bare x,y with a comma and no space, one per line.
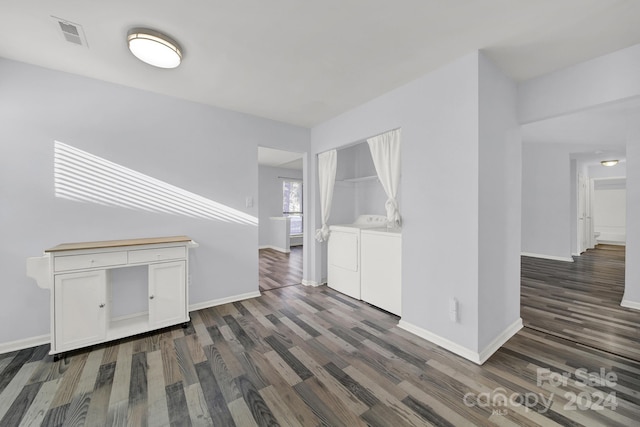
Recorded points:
73,33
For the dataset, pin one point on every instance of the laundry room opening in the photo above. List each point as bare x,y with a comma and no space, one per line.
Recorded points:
363,226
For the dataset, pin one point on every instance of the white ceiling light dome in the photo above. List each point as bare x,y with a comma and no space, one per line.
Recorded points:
154,48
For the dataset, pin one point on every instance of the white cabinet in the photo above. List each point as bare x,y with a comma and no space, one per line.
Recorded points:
381,280
78,276
166,294
81,309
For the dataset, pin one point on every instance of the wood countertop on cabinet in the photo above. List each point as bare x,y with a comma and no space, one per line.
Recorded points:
116,243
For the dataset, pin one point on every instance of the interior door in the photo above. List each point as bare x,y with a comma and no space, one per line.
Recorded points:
582,215
589,224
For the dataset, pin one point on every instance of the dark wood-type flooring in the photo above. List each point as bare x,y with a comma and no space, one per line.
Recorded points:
302,356
278,269
580,301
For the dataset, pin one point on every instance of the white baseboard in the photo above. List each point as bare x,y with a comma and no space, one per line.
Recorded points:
311,283
630,304
499,341
275,248
551,257
442,342
8,347
473,356
611,242
220,301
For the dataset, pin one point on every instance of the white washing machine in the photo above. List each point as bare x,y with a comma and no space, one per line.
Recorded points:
344,265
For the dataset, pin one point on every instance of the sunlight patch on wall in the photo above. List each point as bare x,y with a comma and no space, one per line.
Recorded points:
82,176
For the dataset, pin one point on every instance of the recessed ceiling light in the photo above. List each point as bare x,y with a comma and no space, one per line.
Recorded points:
609,162
154,48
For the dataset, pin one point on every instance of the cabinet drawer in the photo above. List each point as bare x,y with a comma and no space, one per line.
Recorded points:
162,254
80,262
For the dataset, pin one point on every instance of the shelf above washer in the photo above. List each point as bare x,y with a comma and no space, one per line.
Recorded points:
359,179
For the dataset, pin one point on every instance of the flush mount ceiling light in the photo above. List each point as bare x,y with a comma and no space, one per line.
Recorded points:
154,48
609,162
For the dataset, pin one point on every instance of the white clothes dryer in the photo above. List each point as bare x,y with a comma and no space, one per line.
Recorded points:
344,264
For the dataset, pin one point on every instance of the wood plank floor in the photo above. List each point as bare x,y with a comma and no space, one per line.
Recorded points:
311,356
278,269
301,356
580,301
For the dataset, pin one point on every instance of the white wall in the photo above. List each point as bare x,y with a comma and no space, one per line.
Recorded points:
270,198
439,117
205,150
609,202
610,215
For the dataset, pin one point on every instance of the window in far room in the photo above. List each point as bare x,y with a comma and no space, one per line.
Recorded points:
292,204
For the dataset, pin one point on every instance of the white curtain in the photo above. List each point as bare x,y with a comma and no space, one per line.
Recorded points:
327,174
385,150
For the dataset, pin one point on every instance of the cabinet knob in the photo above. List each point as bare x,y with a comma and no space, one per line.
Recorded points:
151,297
101,305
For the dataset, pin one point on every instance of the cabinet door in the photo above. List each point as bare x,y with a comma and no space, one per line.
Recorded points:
79,309
167,294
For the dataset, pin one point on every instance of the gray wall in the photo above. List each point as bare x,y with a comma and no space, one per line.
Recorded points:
499,187
353,197
546,200
549,197
605,80
205,150
441,139
632,267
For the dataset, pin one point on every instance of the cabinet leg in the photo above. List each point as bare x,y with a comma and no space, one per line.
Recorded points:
185,325
57,357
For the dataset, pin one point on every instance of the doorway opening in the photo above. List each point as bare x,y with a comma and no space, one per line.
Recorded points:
281,218
574,231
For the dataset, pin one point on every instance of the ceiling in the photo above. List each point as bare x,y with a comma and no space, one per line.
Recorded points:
303,62
279,158
596,134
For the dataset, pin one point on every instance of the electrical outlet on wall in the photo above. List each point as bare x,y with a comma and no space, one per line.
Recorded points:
248,201
453,310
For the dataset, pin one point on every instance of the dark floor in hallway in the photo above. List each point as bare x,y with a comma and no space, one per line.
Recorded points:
580,301
278,269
